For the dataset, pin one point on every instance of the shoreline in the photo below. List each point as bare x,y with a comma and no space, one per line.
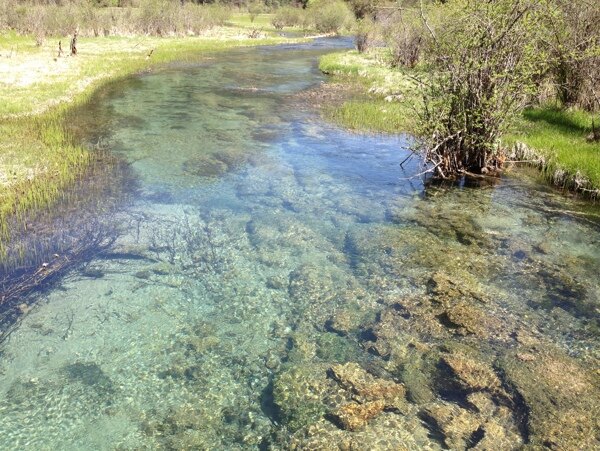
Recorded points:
382,101
40,157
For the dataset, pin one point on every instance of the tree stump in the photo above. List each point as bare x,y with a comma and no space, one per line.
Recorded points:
74,45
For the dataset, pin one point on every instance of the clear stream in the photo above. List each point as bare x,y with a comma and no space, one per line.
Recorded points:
262,247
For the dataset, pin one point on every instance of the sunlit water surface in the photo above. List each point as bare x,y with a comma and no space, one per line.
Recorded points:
264,246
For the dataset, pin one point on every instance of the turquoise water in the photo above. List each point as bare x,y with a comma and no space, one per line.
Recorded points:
261,247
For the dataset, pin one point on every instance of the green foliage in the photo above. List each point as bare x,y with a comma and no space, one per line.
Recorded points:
288,16
573,44
390,107
484,59
560,135
255,8
330,16
363,8
405,36
364,33
158,17
152,17
373,115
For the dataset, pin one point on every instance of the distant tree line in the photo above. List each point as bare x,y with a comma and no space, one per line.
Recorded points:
43,18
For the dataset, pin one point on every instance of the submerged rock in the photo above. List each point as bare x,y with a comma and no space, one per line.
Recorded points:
215,164
343,321
89,374
457,425
471,374
365,387
334,348
304,394
559,398
467,319
492,428
385,432
446,289
354,416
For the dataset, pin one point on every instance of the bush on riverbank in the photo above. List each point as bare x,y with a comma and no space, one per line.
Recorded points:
479,64
329,16
483,59
559,136
152,17
288,16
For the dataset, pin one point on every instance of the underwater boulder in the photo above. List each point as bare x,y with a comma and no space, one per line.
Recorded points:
355,416
365,387
559,397
304,394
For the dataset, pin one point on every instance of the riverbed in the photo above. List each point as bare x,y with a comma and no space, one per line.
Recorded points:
276,282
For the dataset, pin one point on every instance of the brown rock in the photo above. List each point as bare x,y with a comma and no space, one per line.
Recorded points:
525,338
448,290
455,423
355,416
467,319
525,357
366,387
471,374
482,403
561,396
342,322
496,437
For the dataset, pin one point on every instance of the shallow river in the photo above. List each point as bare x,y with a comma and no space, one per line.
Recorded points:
277,282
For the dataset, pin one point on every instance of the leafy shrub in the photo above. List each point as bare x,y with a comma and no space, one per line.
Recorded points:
364,32
216,14
404,36
153,17
158,17
288,16
254,9
484,59
330,16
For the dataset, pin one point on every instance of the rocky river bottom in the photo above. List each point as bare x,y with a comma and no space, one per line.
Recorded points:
278,283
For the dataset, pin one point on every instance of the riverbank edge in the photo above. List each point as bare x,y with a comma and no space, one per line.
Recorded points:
369,84
67,160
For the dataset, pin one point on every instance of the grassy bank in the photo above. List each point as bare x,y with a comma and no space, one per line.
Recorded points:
381,100
38,158
560,137
385,101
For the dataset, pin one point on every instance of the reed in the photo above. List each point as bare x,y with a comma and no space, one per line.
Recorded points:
383,99
373,115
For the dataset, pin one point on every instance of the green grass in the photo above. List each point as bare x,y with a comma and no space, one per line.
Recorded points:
261,22
38,157
243,20
560,135
373,115
389,105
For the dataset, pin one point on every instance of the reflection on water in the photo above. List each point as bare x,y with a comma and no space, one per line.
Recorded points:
281,284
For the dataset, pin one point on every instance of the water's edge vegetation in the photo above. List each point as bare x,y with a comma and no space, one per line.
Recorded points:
41,153
276,282
385,99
